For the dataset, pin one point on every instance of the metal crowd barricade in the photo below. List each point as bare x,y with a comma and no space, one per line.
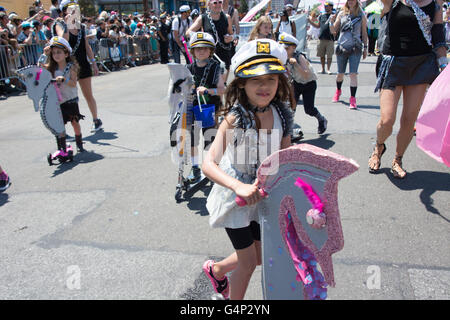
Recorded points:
31,53
134,50
8,63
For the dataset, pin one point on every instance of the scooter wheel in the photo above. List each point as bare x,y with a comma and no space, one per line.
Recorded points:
178,195
49,159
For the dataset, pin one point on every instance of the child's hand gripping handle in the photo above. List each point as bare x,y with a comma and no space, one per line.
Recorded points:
241,202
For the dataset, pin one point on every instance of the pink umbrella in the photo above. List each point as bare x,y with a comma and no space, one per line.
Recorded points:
248,17
433,122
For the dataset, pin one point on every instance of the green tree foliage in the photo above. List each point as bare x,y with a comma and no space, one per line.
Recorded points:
87,8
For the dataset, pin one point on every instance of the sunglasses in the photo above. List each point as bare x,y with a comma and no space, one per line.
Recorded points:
216,2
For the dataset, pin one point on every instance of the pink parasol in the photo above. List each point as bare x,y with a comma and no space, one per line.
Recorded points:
433,122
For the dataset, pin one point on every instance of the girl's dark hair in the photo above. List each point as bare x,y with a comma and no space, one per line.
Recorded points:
52,66
235,94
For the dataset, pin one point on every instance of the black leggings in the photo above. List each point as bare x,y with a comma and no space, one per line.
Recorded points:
308,91
244,237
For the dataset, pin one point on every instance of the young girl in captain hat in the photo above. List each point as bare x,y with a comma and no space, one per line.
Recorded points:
64,69
254,110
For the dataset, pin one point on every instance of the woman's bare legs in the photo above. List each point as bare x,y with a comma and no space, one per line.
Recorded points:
388,110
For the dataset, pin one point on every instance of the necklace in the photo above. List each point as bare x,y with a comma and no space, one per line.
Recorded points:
260,110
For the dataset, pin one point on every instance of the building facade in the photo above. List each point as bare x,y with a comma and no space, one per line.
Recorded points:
21,7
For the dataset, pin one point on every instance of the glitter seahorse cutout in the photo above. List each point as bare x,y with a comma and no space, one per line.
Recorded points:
300,223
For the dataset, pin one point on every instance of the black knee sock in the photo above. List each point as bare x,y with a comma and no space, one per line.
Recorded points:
62,143
58,143
353,91
339,84
79,142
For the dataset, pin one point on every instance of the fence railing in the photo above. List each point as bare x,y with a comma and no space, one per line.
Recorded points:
108,54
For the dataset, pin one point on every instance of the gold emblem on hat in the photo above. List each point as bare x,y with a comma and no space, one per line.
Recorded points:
254,71
263,47
276,67
199,35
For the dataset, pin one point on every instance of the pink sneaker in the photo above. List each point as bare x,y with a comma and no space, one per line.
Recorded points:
337,95
352,103
219,285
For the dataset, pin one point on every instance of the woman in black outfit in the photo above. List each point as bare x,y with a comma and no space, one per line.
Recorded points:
218,24
75,32
408,65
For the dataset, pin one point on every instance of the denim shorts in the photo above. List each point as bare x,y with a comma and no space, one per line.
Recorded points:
353,60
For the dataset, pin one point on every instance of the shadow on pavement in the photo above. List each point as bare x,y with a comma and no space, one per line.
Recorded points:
197,203
428,181
321,142
101,135
79,158
360,106
106,135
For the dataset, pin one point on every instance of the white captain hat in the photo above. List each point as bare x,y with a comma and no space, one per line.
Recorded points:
185,8
259,57
202,39
66,3
287,39
60,42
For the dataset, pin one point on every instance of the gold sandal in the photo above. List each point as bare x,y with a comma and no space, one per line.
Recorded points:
375,158
397,169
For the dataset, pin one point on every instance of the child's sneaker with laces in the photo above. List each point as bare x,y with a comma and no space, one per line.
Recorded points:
97,125
219,285
353,103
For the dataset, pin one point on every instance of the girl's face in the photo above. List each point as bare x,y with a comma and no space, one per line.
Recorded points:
265,29
261,90
202,53
352,3
59,54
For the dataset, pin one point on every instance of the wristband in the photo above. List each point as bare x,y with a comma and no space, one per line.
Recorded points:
442,61
42,59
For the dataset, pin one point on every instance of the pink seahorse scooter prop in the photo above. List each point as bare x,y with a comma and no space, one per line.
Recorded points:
300,221
44,92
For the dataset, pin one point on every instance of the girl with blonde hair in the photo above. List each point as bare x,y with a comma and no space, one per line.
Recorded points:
263,29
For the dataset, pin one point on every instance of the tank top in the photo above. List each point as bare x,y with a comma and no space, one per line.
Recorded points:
67,92
404,36
220,25
80,53
285,26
